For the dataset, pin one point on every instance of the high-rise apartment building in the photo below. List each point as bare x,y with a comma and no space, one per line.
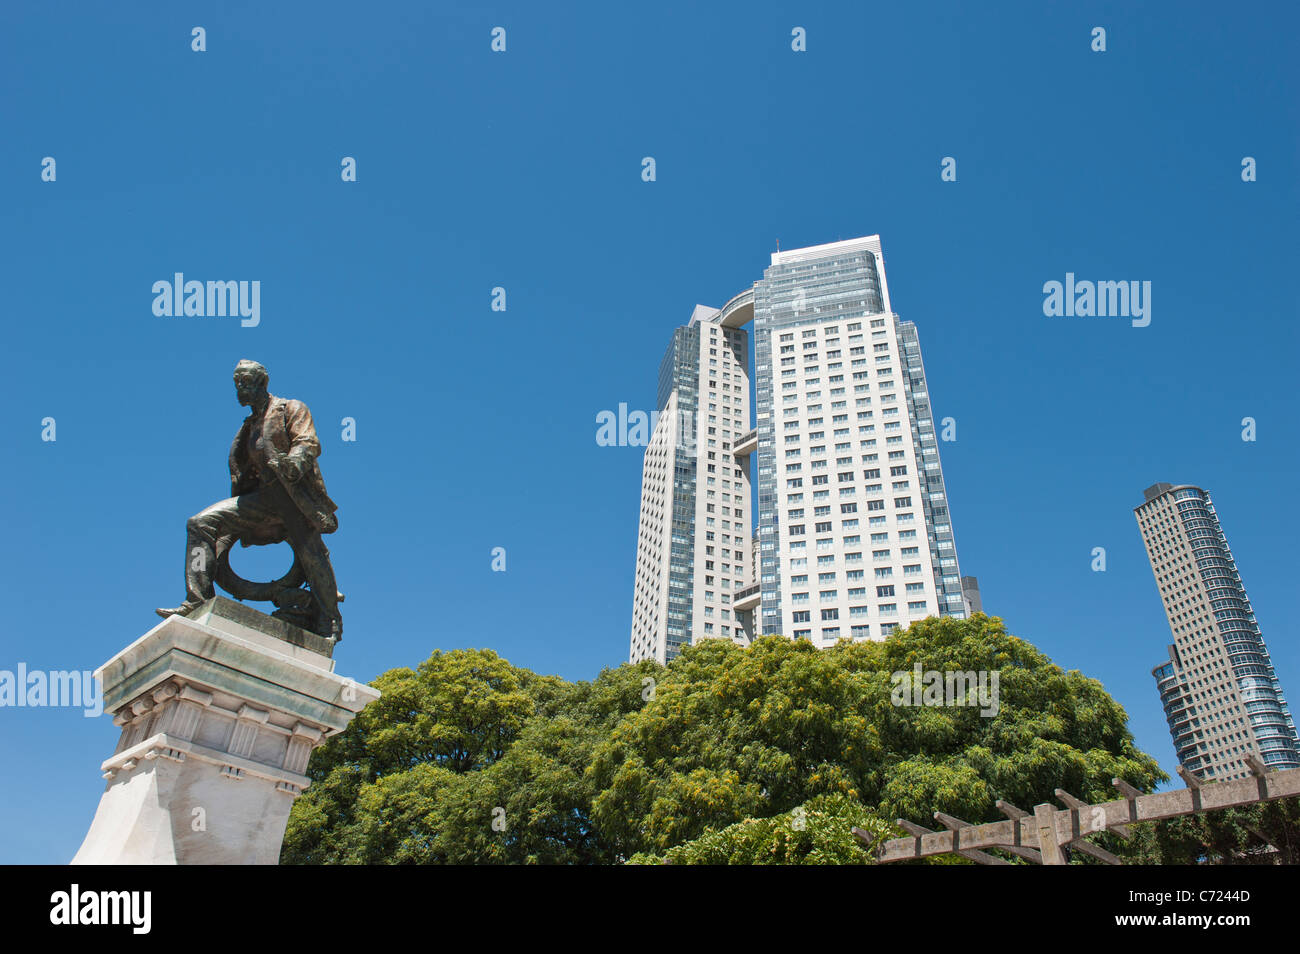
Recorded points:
1218,689
854,537
694,541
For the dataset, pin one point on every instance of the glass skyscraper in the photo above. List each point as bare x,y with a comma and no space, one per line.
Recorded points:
1219,691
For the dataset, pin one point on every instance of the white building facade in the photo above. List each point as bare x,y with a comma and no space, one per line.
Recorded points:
694,539
855,538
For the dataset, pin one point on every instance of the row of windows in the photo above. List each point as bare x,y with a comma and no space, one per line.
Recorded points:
801,579
854,592
833,329
858,612
857,631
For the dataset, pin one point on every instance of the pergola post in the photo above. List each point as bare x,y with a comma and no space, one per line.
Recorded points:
1048,845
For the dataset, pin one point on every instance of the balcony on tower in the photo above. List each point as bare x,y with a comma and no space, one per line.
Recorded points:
746,444
747,598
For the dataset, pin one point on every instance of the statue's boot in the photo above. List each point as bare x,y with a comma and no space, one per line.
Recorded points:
331,629
182,610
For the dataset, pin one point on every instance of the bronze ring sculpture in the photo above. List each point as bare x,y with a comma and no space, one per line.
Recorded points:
242,589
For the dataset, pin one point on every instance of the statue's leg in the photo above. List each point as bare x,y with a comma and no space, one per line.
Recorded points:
234,515
201,533
315,560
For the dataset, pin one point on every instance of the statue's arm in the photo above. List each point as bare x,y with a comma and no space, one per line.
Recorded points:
236,474
304,447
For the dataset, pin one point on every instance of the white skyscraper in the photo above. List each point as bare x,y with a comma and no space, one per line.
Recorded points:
854,536
854,531
693,546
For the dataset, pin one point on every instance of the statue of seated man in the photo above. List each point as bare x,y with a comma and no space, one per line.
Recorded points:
277,494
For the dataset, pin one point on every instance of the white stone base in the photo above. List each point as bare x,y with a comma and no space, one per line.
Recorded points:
218,718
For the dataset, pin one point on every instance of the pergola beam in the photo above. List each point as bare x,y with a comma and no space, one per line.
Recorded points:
979,857
1079,821
1010,810
1069,801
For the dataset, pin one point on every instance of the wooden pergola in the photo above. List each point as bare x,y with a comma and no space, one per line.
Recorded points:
1049,834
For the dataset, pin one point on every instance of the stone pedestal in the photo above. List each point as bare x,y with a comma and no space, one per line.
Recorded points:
219,713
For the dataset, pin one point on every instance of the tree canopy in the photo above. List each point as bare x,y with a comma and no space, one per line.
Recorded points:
766,753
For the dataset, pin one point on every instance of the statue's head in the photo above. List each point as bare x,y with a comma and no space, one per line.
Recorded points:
250,382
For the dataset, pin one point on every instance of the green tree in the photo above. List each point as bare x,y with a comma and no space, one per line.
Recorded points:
819,832
466,759
751,733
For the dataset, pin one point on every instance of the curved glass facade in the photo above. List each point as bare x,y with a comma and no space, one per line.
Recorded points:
934,497
680,372
1266,707
1178,713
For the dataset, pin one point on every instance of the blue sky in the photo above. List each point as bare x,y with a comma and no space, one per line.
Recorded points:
522,169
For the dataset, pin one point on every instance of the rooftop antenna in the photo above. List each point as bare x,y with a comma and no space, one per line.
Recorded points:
778,245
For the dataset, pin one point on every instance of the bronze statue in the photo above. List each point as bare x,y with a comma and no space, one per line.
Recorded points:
277,494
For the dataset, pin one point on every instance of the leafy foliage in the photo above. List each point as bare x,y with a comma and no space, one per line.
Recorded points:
421,774
819,832
708,764
738,733
1267,833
